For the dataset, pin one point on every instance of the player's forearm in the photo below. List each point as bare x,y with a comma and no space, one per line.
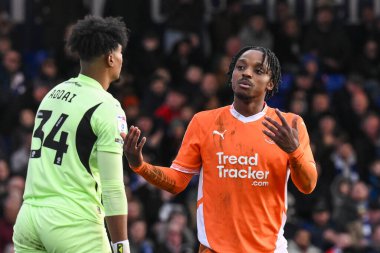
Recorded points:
117,227
303,171
164,178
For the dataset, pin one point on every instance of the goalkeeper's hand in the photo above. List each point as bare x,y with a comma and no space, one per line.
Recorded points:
121,247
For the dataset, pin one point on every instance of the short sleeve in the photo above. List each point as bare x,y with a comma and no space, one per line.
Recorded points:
109,121
188,159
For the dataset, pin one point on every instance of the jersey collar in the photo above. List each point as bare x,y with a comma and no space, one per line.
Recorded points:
89,80
248,119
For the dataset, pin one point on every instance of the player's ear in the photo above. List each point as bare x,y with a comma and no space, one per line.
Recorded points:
270,86
110,60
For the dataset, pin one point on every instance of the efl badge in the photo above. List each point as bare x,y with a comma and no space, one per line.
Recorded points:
122,124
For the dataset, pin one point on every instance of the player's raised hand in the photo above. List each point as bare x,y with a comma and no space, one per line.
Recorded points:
283,135
133,149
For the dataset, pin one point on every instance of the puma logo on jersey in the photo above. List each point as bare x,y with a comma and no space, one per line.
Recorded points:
219,133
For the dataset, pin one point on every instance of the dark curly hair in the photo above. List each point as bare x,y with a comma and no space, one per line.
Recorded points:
270,60
95,36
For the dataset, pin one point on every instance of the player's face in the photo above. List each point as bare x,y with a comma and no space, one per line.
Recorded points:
117,62
251,76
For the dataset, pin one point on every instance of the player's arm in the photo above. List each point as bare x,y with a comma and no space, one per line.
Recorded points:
114,198
303,169
165,178
294,140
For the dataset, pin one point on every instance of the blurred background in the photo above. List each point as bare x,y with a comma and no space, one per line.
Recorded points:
175,65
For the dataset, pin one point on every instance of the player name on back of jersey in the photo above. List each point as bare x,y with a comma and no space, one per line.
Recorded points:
62,95
247,170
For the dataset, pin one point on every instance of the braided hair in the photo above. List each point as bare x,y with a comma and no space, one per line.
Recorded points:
271,62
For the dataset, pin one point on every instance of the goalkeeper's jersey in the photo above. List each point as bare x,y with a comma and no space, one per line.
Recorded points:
76,119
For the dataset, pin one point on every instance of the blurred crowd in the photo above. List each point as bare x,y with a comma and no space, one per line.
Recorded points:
175,65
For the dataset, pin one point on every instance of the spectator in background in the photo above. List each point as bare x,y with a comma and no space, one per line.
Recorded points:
328,42
353,85
320,105
321,226
352,213
301,243
148,51
20,157
345,161
135,210
12,204
373,214
4,178
5,46
366,29
340,191
367,144
12,86
138,237
174,241
209,90
183,55
367,63
171,108
174,136
184,18
374,180
153,128
155,95
191,82
224,24
288,44
174,214
375,240
343,242
68,62
255,32
131,106
25,126
48,74
360,106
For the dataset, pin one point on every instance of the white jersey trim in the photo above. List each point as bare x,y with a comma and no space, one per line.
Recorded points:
202,236
248,119
180,168
282,243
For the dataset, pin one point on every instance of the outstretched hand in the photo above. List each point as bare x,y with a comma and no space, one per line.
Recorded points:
283,135
132,149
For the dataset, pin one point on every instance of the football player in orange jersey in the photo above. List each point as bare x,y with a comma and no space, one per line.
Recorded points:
244,153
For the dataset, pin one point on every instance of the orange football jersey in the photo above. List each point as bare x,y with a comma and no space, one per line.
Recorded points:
242,193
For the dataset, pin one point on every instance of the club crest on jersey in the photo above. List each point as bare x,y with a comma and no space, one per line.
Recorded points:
121,124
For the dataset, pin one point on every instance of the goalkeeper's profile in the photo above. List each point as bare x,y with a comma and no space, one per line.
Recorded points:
75,171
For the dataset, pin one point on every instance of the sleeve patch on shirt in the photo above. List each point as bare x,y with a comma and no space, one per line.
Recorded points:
122,124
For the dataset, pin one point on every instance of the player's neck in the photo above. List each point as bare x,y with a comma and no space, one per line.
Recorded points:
96,70
98,76
248,108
